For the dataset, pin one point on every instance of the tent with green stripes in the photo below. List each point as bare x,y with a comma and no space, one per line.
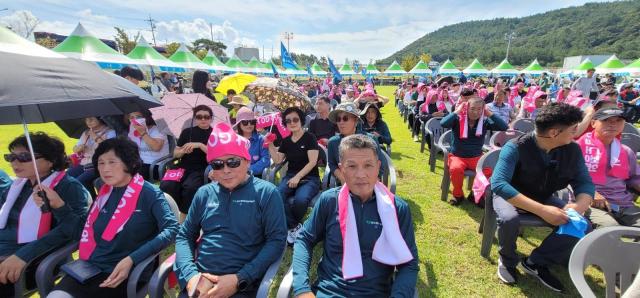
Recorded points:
346,70
534,69
612,65
449,69
505,69
145,54
372,70
316,70
213,61
475,69
81,44
421,68
634,68
236,65
394,70
188,60
583,67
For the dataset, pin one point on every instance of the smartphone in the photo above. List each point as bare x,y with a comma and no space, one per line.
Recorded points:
614,208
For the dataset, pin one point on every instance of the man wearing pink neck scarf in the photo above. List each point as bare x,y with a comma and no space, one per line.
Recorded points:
613,169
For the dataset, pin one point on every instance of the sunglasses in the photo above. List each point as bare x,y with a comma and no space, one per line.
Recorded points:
248,122
232,163
291,120
21,157
344,118
203,117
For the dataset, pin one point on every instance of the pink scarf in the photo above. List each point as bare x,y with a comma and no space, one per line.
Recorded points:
463,119
30,213
595,157
390,248
512,96
121,215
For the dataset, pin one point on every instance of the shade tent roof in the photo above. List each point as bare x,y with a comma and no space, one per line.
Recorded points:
505,68
186,59
583,67
144,54
346,70
213,61
81,44
258,67
448,68
611,65
317,70
395,69
475,68
372,70
235,64
534,68
634,68
421,68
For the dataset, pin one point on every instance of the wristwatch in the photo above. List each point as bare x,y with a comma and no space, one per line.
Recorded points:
243,284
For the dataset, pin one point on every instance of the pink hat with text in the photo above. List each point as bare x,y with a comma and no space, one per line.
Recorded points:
224,141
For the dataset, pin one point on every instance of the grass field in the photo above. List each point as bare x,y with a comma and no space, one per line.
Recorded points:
447,237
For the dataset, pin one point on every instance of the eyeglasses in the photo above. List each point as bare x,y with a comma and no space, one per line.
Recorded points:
291,120
203,117
21,157
344,118
232,163
248,122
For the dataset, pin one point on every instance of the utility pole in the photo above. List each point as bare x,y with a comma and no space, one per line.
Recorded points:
153,29
211,27
288,36
509,37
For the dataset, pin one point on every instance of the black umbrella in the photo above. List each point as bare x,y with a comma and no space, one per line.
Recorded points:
448,79
39,85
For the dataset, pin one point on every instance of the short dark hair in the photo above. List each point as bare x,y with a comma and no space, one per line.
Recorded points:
357,141
324,98
129,71
591,69
51,148
124,149
147,117
293,110
231,92
557,114
199,108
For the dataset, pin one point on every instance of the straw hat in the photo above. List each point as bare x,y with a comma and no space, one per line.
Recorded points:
237,100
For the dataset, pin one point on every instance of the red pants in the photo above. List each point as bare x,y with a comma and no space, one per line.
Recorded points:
457,166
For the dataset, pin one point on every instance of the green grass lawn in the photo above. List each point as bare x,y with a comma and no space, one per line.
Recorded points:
447,237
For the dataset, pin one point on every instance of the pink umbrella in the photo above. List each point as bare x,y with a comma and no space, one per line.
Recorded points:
177,112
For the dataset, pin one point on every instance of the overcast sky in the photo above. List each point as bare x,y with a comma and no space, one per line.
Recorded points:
362,30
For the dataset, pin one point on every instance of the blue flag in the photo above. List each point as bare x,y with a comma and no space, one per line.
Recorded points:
273,68
364,71
287,62
334,71
356,66
309,70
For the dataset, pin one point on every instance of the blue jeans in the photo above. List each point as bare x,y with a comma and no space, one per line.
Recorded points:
85,177
300,197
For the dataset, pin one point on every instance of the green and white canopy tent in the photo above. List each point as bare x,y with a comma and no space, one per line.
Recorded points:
213,62
421,68
634,68
475,69
581,69
84,46
612,65
505,69
372,70
534,69
236,65
297,72
255,66
394,70
346,70
188,60
316,70
449,69
144,54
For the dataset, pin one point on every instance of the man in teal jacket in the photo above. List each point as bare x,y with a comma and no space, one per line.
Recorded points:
366,264
242,222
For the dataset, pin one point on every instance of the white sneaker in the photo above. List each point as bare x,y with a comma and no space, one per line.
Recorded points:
292,234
